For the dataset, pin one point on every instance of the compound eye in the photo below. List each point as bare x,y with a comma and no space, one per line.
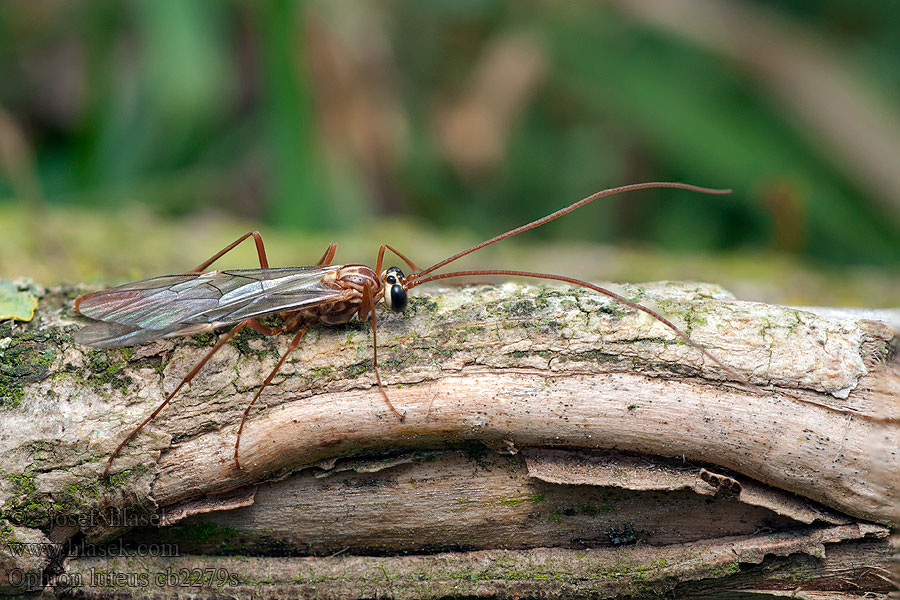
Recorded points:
398,298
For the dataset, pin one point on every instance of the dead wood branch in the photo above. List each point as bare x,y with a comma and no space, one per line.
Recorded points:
510,368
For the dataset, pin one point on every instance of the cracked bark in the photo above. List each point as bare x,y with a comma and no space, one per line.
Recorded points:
542,426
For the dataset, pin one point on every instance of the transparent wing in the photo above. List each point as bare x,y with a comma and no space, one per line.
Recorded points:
112,335
138,312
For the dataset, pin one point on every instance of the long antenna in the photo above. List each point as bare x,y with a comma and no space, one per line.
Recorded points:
595,288
625,188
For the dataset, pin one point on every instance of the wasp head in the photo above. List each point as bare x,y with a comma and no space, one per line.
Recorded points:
394,294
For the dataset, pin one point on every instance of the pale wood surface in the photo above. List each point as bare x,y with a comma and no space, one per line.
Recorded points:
508,369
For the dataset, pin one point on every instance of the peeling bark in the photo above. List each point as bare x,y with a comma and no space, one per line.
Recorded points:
684,569
529,412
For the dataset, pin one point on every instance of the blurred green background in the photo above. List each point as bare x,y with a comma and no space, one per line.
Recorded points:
138,137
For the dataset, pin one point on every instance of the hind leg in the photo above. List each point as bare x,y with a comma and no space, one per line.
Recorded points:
260,251
223,339
328,256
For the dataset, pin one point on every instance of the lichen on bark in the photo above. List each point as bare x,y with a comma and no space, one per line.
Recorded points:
505,368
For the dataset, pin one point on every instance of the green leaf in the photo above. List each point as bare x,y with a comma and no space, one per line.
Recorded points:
15,304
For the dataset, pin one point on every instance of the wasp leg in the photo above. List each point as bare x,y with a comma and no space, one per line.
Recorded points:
260,250
369,306
380,261
223,339
295,341
328,256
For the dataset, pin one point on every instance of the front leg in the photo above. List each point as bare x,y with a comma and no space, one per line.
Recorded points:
380,261
368,306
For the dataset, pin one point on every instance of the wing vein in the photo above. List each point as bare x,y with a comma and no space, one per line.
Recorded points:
156,307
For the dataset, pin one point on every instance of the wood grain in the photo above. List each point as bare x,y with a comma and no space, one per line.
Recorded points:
492,379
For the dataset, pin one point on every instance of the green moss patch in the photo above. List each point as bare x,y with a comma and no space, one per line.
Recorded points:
103,368
264,347
25,357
